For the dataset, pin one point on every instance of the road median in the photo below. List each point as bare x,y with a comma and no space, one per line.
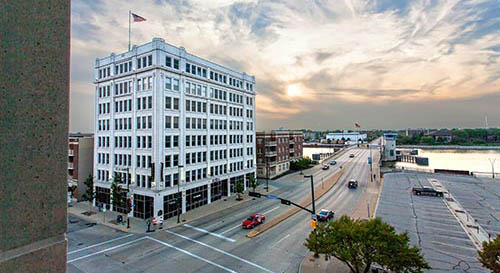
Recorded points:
318,192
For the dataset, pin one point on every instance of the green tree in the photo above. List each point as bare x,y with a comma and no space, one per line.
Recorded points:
89,194
119,201
361,243
490,255
427,140
253,182
239,189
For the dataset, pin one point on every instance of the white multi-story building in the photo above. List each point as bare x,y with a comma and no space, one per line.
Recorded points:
164,117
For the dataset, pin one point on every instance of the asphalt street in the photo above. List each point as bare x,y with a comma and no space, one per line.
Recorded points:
216,243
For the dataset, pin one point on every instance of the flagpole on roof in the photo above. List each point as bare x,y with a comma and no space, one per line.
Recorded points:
129,14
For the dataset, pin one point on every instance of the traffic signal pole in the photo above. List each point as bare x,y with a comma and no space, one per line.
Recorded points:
312,193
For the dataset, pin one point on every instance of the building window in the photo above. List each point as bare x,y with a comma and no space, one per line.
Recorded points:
176,63
176,85
168,83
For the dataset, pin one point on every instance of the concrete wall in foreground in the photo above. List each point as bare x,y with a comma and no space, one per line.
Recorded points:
34,88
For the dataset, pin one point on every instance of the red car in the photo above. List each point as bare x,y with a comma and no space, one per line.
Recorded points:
254,220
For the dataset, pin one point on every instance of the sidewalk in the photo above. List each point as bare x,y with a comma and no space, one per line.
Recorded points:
139,226
364,210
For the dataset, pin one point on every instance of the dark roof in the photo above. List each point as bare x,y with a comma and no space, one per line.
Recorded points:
440,133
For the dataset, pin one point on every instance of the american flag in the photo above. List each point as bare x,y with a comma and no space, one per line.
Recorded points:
357,125
138,18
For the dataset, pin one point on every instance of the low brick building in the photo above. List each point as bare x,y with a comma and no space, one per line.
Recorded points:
275,151
80,162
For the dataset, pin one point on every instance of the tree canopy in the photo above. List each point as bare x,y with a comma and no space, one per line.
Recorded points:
490,255
361,243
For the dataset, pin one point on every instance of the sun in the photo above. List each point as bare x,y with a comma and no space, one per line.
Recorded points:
294,90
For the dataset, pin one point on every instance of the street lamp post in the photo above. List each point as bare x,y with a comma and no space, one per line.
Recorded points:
179,199
129,196
312,193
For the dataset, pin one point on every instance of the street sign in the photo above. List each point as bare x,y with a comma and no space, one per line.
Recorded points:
369,160
285,202
270,196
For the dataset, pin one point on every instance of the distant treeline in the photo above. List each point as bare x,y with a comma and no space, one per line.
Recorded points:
463,137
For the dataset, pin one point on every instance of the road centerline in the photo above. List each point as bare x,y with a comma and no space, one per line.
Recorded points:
210,233
220,251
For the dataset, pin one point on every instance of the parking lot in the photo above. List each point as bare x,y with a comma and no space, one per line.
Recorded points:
431,226
481,198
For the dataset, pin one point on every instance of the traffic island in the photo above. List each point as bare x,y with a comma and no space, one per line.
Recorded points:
318,192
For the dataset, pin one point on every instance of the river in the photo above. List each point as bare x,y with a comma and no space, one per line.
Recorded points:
476,161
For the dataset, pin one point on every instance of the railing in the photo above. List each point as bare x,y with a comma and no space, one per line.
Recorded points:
270,154
271,143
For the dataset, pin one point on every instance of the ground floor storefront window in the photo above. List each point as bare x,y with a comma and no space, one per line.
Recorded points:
196,197
123,207
103,197
216,190
170,204
143,206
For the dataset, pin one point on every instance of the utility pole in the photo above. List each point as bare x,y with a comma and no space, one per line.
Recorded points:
492,162
312,193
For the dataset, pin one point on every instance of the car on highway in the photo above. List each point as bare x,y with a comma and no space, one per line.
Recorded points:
351,155
254,220
427,191
325,167
325,215
352,184
333,162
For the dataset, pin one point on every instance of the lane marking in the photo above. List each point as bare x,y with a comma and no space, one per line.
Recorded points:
281,240
275,208
102,243
230,229
104,250
210,233
220,251
192,255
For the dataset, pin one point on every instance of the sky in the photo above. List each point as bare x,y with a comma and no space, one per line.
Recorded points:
318,64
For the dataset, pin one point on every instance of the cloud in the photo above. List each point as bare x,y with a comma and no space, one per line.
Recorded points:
351,52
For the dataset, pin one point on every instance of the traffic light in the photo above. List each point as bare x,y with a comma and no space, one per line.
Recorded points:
314,224
254,194
285,202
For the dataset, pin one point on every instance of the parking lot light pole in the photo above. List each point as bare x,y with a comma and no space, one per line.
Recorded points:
312,193
492,161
